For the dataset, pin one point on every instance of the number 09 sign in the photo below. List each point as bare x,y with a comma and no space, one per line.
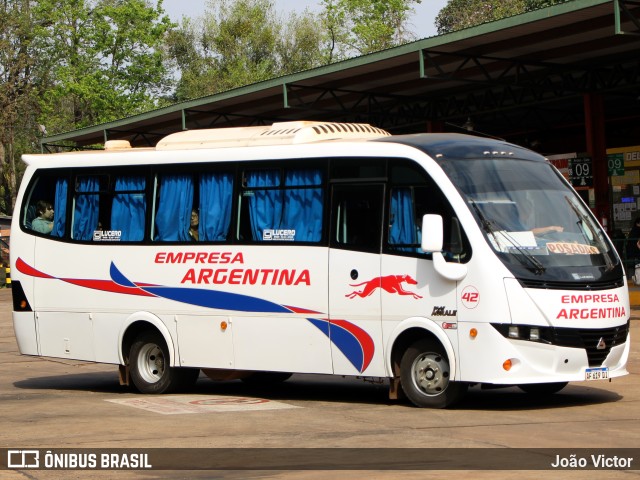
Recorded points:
581,172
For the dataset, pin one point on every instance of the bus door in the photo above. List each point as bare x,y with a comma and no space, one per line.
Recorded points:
354,279
412,287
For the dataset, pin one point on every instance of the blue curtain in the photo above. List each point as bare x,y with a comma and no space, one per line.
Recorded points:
85,217
403,228
298,209
60,208
216,192
303,207
265,206
174,208
128,209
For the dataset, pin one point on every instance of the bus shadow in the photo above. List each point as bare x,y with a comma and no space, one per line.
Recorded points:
334,389
303,388
96,382
514,399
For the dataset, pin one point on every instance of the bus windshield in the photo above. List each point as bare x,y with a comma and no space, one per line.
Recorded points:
539,228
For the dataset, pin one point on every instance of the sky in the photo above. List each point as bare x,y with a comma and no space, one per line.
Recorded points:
422,23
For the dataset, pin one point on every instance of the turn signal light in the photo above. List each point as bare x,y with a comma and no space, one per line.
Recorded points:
473,333
507,364
223,326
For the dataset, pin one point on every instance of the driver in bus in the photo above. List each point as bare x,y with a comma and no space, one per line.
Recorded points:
528,220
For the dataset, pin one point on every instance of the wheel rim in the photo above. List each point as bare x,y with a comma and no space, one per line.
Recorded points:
151,363
430,373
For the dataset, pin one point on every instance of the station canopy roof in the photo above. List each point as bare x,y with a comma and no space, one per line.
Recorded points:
518,78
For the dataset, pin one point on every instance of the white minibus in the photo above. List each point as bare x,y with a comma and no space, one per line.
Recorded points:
434,261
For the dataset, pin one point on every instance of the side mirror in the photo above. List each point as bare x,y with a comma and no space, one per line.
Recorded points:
432,236
432,241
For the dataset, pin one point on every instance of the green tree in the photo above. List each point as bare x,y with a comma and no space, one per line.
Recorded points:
460,14
18,94
300,44
364,26
71,63
103,60
241,42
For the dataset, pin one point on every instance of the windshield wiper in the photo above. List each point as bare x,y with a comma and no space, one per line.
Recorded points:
490,227
585,220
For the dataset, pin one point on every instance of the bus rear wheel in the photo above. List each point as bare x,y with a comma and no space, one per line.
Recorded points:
425,376
149,366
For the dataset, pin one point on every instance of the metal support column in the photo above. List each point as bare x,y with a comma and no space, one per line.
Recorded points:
435,126
597,149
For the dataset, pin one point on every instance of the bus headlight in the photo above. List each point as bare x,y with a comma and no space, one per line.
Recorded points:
529,333
534,334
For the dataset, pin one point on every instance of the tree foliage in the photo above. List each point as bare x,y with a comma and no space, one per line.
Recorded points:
18,92
241,42
461,14
364,26
104,59
66,64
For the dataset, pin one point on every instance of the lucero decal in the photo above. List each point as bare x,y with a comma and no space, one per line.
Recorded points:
355,343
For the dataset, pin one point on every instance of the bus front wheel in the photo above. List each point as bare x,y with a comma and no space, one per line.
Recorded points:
425,376
149,366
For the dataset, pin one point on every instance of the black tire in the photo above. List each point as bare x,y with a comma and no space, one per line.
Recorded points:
424,374
542,389
149,366
263,379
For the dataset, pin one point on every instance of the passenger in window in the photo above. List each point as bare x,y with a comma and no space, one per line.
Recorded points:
193,227
43,223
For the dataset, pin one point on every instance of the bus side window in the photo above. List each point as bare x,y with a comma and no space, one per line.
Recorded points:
86,209
51,189
281,205
129,206
404,221
174,207
414,196
30,216
357,217
216,196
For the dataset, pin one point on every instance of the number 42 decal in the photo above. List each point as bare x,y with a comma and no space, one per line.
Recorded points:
470,297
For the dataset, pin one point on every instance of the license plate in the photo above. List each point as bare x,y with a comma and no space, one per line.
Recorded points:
601,373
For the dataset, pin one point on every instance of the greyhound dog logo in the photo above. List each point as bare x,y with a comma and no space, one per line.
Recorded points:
390,283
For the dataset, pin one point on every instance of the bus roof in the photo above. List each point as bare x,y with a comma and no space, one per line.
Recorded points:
287,133
439,146
443,146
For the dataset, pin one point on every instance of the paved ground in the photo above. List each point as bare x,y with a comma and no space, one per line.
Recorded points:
47,403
